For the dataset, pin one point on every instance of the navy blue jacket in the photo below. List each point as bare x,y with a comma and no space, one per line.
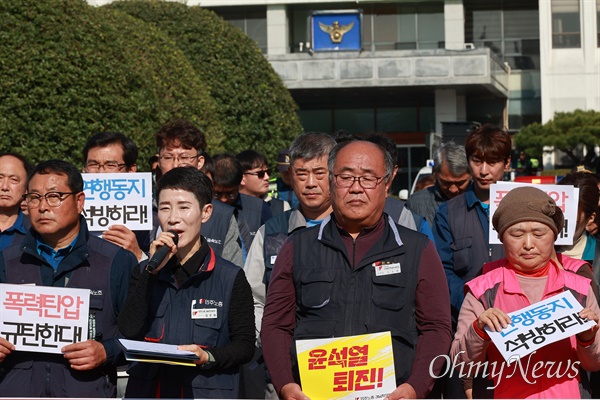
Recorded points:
94,264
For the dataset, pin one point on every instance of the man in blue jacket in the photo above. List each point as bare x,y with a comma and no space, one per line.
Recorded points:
59,251
13,178
461,225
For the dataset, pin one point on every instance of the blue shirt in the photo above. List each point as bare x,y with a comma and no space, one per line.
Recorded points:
18,228
444,240
313,222
53,257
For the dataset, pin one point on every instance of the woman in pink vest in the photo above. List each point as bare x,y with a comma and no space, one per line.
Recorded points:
527,221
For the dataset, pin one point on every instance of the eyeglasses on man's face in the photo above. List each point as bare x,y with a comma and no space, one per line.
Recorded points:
366,182
259,174
54,199
180,158
109,166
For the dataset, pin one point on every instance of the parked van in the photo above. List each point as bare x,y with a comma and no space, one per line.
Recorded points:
423,172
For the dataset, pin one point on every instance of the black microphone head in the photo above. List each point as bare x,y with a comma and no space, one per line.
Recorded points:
175,237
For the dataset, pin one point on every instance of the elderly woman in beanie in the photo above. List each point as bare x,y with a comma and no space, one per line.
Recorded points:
527,221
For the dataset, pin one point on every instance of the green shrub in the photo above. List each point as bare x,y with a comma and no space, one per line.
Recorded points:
68,70
255,108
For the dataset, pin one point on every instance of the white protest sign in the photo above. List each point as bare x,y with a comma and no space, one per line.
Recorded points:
565,196
540,324
43,319
118,199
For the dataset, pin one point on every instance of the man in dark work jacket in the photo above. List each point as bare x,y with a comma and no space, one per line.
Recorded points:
58,251
310,290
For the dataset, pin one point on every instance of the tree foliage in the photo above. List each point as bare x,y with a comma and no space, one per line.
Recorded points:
568,132
255,108
68,70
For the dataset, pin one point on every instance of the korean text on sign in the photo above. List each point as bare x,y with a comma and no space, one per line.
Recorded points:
43,319
540,324
347,367
566,198
118,198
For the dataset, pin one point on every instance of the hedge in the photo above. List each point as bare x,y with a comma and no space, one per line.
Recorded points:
68,70
253,105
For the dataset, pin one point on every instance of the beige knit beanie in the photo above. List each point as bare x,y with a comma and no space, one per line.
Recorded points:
527,204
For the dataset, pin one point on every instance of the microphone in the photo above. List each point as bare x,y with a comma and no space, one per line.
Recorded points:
160,254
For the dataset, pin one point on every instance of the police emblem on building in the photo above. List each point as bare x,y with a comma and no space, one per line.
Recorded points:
338,30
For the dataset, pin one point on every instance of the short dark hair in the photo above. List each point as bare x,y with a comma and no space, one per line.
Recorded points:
311,145
342,135
588,191
209,165
26,164
386,143
189,179
228,171
488,142
103,139
181,133
250,159
152,160
59,167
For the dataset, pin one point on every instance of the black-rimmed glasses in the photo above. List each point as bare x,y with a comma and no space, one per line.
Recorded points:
366,182
54,199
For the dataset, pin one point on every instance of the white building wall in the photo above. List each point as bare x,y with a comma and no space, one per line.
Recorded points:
454,24
570,78
277,29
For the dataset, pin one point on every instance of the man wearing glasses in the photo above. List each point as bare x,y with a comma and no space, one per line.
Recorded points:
181,144
359,272
59,251
113,152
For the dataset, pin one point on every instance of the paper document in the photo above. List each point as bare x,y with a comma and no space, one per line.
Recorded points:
136,350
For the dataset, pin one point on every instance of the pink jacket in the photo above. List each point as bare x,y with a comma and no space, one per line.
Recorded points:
500,288
568,263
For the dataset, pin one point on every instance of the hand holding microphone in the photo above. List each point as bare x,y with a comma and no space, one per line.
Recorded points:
161,253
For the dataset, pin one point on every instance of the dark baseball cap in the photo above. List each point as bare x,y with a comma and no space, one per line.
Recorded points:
283,160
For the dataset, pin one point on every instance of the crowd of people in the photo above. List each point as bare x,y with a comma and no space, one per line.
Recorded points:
246,273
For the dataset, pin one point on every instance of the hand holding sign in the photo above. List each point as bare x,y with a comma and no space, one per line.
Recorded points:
293,391
124,237
587,336
85,356
404,391
494,319
545,322
6,348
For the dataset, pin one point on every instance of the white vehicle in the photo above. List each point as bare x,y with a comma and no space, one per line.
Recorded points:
423,172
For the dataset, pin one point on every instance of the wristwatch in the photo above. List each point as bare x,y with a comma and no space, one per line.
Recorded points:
211,361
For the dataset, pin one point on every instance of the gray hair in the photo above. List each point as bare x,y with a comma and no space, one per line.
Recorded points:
453,156
311,145
387,158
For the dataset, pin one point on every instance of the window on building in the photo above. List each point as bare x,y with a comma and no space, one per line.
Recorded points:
566,24
252,21
509,28
403,26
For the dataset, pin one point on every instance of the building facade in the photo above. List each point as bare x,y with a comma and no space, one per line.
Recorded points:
429,68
